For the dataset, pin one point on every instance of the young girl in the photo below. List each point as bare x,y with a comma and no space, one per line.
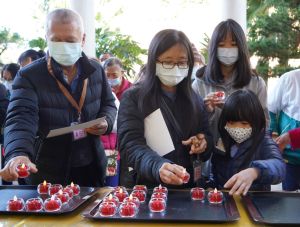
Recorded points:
250,159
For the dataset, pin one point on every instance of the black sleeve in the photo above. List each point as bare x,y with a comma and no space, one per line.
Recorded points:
3,104
22,120
132,143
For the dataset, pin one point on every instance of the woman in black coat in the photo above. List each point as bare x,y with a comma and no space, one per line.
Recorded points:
165,85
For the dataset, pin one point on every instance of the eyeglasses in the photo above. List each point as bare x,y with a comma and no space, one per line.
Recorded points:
171,65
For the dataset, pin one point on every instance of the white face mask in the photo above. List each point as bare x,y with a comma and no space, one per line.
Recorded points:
239,135
170,77
65,53
228,56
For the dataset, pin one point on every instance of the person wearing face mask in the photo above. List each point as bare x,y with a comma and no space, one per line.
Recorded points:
115,76
9,72
165,86
199,61
228,69
63,88
250,160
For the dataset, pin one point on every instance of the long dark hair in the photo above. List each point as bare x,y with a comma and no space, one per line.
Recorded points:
243,105
150,84
213,72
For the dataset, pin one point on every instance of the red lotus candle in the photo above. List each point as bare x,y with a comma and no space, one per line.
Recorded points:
43,188
107,209
220,95
121,195
140,187
140,194
69,190
63,196
128,209
75,188
52,204
186,177
34,205
112,198
132,199
23,170
15,204
157,205
161,189
117,188
54,188
197,193
159,195
215,197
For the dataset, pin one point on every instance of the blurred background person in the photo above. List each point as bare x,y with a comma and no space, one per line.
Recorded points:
9,72
29,56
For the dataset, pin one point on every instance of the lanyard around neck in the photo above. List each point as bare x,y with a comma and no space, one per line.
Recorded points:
67,94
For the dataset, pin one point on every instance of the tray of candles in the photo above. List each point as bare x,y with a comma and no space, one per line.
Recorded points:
280,208
163,205
46,198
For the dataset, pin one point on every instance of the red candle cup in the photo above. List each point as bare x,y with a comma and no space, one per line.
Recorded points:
63,196
121,195
75,188
197,193
128,209
215,197
69,191
23,170
159,195
52,204
220,95
132,199
161,189
43,188
140,187
15,204
34,205
107,209
140,194
54,188
112,198
157,205
117,188
186,177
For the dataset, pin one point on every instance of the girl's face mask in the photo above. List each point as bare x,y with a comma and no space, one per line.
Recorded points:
238,134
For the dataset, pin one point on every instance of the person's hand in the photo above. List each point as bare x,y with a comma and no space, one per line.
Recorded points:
98,129
198,143
283,140
9,173
212,101
171,173
241,182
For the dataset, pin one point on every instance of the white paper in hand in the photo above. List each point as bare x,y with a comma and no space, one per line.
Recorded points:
157,134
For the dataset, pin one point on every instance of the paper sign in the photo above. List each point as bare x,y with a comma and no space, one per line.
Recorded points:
157,134
65,130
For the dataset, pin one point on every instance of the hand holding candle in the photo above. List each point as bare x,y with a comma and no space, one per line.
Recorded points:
198,143
171,173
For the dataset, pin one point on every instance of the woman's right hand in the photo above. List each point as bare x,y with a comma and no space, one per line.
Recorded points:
171,173
212,101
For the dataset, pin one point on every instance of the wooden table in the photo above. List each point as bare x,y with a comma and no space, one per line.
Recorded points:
75,219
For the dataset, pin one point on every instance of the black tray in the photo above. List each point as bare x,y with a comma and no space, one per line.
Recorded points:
27,192
273,207
180,208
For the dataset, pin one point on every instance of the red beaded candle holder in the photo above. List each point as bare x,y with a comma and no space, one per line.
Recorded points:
140,194
121,195
15,204
63,196
107,209
197,193
54,188
52,204
132,199
34,205
112,198
186,177
43,188
161,189
140,187
159,195
75,188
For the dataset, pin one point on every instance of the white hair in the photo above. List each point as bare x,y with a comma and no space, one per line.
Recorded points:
64,16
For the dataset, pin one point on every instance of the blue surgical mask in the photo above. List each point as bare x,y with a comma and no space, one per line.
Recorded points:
114,82
65,53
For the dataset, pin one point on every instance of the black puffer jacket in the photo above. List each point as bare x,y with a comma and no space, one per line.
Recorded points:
139,163
37,105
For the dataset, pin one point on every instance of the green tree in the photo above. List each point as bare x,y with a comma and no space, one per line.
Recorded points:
7,37
122,46
274,34
39,43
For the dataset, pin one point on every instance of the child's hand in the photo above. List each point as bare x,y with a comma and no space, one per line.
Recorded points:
241,182
198,143
283,140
